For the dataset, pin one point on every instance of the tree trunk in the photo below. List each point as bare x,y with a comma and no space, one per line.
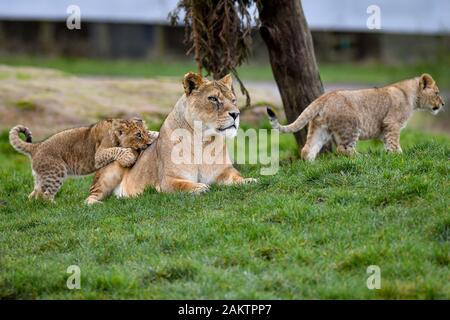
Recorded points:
286,34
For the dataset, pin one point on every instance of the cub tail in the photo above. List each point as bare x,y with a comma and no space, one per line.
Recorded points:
306,116
26,147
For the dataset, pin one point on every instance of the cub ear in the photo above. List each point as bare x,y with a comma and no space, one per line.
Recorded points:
228,81
191,81
138,120
426,81
117,125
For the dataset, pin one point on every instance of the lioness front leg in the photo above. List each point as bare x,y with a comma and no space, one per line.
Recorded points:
104,182
170,184
231,176
125,156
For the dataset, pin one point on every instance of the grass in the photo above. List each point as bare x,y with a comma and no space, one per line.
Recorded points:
310,231
25,105
367,73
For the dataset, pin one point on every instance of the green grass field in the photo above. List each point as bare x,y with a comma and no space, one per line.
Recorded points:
310,231
366,73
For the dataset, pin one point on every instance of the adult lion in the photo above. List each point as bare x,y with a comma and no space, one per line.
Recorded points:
208,108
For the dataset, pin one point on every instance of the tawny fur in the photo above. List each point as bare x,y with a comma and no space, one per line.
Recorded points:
351,115
80,151
211,102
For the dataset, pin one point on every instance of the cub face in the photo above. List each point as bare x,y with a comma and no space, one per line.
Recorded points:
429,98
132,134
211,103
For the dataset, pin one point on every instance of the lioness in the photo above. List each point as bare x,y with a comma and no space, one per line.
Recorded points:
209,105
80,151
346,116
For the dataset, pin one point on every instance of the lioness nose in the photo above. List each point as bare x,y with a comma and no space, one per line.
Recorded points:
234,115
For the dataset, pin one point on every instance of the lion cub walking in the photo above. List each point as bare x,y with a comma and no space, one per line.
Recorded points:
346,116
80,151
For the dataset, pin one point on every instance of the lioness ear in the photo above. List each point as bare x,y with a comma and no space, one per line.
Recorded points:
227,80
191,81
426,81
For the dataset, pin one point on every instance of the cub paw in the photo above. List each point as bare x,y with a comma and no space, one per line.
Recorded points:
128,158
346,150
394,150
199,188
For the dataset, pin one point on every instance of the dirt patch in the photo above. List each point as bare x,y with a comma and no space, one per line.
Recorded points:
48,100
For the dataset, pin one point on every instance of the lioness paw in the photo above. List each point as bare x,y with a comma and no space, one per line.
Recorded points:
91,200
249,180
153,135
199,188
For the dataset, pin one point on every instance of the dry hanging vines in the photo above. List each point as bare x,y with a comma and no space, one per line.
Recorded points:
219,34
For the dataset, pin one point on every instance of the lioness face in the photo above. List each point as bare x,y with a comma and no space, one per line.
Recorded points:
429,97
132,134
211,103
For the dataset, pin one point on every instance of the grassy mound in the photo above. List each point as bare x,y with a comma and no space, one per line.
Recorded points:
310,231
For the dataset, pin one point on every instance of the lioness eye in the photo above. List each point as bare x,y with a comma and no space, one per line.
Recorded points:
233,101
213,99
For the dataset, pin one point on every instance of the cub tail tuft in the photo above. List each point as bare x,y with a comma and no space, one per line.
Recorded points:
271,114
273,119
26,147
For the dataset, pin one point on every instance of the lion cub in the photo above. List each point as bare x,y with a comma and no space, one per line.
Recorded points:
349,115
80,151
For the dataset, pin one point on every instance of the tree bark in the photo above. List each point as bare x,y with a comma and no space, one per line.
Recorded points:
285,31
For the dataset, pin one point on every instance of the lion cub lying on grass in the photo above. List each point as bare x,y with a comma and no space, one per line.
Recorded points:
80,151
346,116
